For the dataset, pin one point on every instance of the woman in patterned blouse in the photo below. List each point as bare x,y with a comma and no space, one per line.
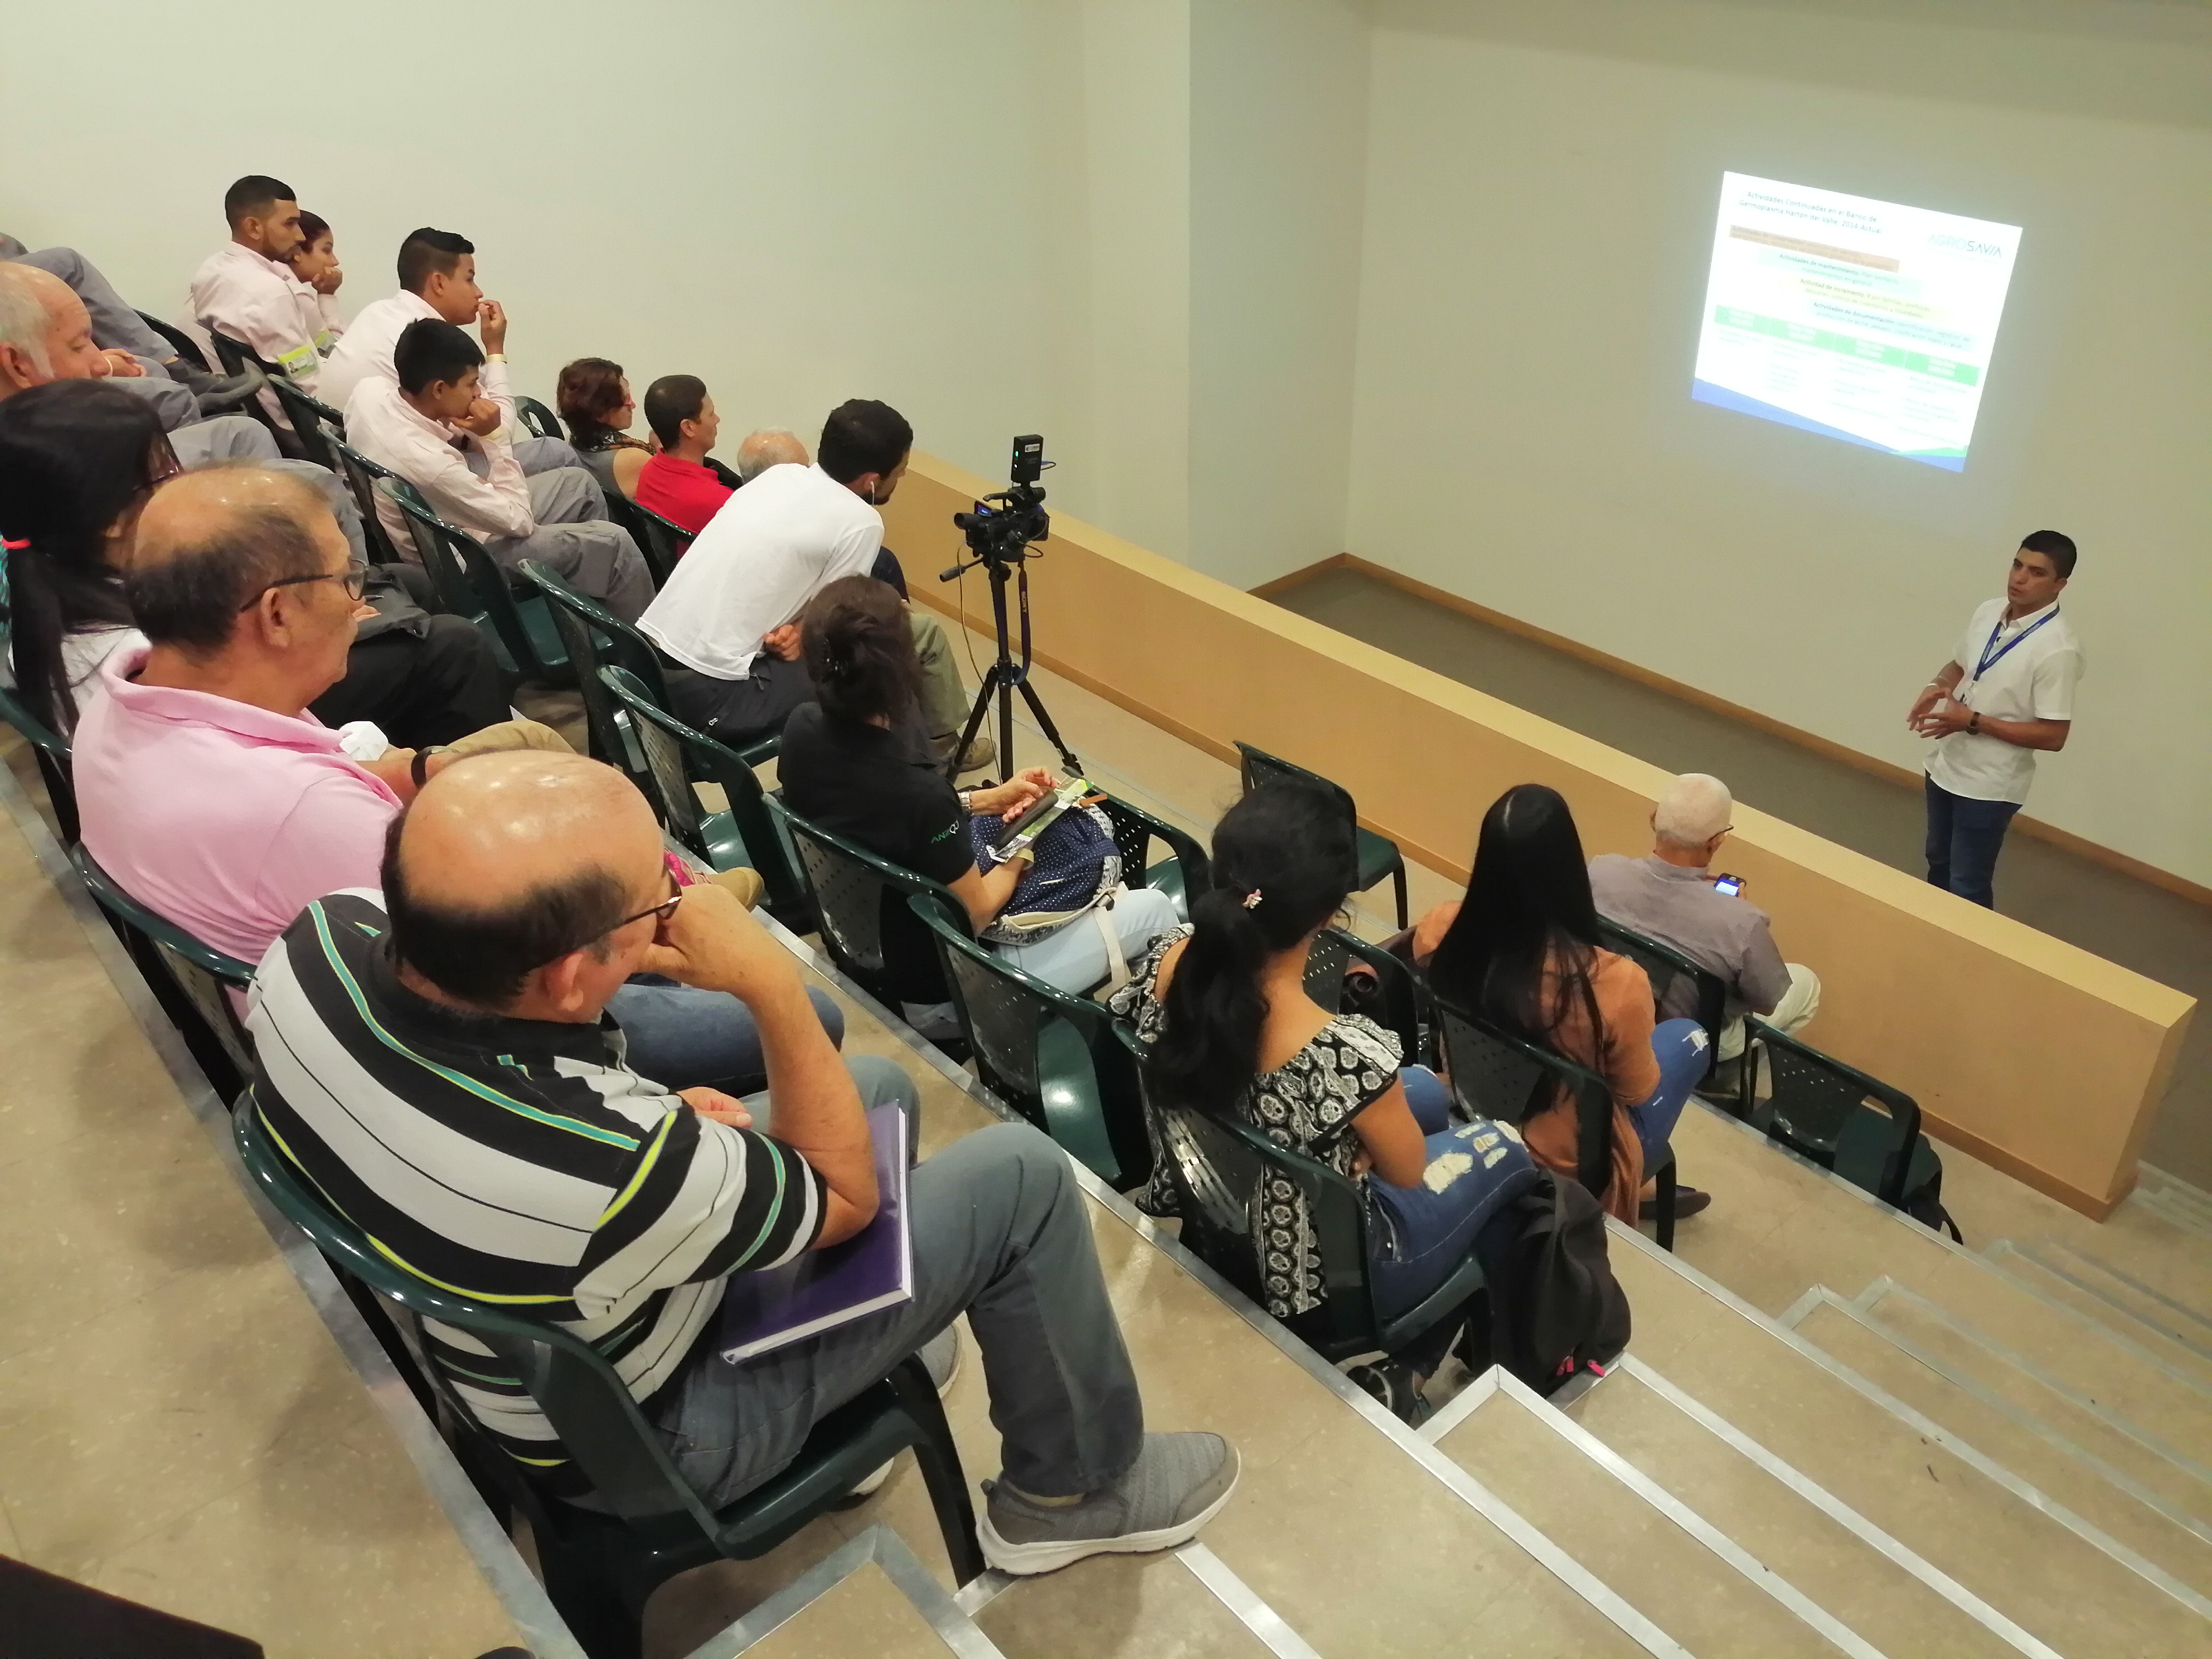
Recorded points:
1223,1003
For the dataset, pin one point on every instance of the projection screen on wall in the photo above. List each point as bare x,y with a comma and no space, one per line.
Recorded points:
1860,319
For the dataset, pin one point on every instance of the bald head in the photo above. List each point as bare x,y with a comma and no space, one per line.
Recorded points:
46,333
507,861
1693,809
209,541
771,446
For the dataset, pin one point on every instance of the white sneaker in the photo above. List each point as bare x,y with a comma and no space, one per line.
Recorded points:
1178,1483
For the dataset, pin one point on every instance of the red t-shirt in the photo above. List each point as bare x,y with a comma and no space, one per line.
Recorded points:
682,492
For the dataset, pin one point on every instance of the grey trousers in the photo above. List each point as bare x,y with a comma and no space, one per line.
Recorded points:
944,699
1001,1233
225,438
116,324
575,540
537,455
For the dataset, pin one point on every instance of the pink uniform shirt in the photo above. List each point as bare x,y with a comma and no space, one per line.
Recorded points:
223,818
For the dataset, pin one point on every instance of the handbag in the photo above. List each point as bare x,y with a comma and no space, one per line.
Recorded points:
1074,865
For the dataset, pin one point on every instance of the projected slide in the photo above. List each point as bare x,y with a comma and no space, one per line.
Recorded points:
1861,320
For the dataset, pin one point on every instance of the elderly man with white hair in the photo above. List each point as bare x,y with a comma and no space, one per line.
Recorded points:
1670,898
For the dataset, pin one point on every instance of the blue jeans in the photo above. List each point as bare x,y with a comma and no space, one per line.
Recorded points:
1419,1235
1680,1047
1964,838
682,1037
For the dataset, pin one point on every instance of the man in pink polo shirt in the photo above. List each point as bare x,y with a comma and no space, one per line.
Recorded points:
209,794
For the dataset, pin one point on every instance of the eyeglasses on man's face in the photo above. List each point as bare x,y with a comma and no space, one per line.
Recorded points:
355,576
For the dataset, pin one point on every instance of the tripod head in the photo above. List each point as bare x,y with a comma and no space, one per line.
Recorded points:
1003,525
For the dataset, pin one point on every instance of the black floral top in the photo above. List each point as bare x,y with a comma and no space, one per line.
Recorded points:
1306,1105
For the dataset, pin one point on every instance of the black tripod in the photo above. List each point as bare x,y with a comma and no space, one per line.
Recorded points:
1006,675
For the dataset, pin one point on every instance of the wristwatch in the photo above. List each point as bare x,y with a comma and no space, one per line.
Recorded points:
964,797
416,767
1974,721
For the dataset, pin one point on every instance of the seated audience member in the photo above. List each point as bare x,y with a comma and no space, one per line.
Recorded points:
437,282
677,483
46,336
518,891
246,288
732,606
242,587
137,353
78,462
1223,1005
1521,951
594,401
847,765
438,426
1669,897
315,264
770,447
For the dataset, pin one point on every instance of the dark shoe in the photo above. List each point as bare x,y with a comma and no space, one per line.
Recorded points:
1178,1483
1688,1200
1392,1383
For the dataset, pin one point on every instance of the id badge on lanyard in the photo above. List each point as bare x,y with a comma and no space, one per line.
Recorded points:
1993,653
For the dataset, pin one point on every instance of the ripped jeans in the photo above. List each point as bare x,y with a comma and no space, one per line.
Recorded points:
1419,1234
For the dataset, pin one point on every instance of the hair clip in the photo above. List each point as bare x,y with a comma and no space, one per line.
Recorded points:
1252,899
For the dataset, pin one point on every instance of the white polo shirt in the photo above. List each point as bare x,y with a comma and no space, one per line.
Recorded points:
768,550
2030,679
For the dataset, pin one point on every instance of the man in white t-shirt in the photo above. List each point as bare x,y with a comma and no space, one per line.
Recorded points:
2007,692
730,609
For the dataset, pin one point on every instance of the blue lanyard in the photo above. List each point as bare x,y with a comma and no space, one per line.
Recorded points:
1991,655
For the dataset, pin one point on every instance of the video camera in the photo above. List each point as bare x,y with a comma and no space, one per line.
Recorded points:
1002,526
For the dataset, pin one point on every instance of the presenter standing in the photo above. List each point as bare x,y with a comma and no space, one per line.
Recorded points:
2007,692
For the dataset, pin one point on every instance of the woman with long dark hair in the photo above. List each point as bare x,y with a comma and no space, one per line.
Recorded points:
593,400
1222,1003
78,462
856,762
1522,951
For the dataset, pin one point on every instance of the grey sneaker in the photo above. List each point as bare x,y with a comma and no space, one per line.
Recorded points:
1178,1483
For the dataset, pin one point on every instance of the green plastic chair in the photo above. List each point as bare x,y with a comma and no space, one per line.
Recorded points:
662,542
49,749
846,884
180,341
524,638
1863,1129
1402,1005
1495,1075
236,357
676,758
1377,856
201,976
364,477
1216,1162
535,419
1181,875
1049,1055
1667,968
593,636
314,422
599,1569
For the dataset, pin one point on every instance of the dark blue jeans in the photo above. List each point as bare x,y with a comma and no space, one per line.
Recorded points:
1963,837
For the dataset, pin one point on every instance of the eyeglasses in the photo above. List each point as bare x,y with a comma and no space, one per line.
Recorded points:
660,913
355,576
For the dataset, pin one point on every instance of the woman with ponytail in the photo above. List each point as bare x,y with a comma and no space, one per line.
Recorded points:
1223,1005
78,461
856,762
1521,951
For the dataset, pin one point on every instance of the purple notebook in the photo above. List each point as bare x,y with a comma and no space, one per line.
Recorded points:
823,1289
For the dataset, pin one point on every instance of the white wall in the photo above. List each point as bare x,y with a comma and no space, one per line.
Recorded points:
1540,202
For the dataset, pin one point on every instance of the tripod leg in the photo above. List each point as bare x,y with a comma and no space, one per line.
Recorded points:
1044,722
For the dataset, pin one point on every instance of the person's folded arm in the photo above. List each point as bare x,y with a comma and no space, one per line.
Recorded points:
498,504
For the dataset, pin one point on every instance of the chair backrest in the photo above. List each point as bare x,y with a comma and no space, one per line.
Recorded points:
1259,768
663,544
48,746
677,758
362,475
1667,969
203,974
1818,1102
1216,1163
468,570
237,358
626,1463
1401,1006
315,422
846,884
1498,1076
1045,1052
575,619
535,419
1135,829
186,346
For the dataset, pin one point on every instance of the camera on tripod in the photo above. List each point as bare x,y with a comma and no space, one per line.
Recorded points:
1002,526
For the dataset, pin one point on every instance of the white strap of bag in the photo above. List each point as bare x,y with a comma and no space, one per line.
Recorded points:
1117,968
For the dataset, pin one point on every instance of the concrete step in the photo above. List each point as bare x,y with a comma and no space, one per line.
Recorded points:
1651,1548
2142,1502
1990,1532
1893,1598
2174,1193
1116,1604
2175,1212
2128,1312
2168,1316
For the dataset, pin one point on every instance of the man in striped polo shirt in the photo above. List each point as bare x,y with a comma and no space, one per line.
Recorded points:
435,1062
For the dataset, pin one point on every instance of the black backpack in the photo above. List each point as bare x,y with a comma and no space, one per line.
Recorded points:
1555,1309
